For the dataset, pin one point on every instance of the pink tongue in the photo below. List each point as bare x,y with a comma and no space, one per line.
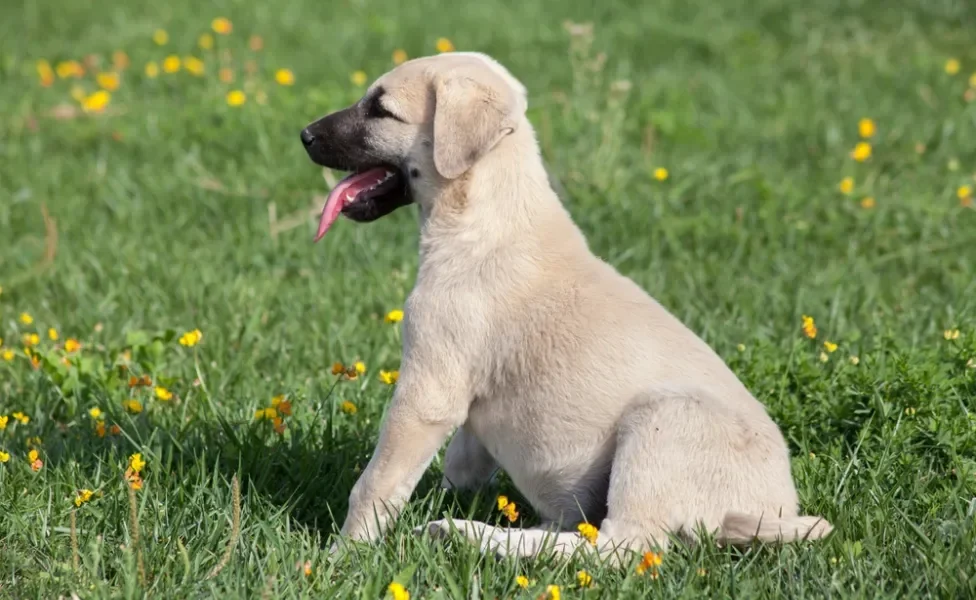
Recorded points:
344,193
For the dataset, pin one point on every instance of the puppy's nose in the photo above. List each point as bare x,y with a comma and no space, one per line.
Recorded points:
308,138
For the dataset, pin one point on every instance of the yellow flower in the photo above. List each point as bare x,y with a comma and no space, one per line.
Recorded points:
194,65
389,377
661,174
236,98
70,68
133,406
225,75
507,508
444,45
394,316
866,128
45,73
584,579
3,422
266,413
205,41
861,152
95,412
650,560
163,394
21,418
846,185
83,496
171,64
348,407
160,37
108,81
96,102
824,357
152,70
868,202
809,327
136,463
284,77
32,455
120,60
964,192
398,592
308,568
222,25
358,78
191,338
26,319
949,334
8,355
52,334
72,345
952,66
399,56
360,367
4,456
338,368
855,360
588,531
830,346
553,592
522,581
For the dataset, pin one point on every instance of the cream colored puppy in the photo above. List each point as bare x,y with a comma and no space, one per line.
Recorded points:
508,333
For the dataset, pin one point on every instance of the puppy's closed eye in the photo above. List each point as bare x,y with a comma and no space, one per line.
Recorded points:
376,110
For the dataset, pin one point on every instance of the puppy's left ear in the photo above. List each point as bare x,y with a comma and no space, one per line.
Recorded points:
470,117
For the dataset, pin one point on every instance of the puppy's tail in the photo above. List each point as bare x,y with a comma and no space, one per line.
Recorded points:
741,528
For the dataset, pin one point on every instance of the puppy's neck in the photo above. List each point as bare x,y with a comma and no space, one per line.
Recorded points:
504,202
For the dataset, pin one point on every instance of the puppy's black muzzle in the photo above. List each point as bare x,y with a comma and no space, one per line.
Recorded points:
338,141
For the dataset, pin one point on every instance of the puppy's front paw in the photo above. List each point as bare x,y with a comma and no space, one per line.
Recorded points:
438,530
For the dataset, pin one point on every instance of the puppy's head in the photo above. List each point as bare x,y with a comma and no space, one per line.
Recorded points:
417,128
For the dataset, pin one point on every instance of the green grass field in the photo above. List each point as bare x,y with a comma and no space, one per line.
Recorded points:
169,210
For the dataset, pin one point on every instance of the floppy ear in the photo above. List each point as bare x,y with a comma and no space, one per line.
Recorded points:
469,119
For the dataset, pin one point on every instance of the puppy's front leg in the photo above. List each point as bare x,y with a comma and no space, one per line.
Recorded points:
422,414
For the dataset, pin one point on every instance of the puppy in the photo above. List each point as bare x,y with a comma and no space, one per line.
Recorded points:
508,332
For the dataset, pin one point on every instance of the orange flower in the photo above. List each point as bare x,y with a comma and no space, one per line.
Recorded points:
115,430
281,405
279,425
650,560
809,327
255,43
35,462
71,345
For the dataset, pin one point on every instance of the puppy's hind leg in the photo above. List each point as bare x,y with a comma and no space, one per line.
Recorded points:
467,464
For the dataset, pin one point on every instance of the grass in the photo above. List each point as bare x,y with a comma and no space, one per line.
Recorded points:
127,228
